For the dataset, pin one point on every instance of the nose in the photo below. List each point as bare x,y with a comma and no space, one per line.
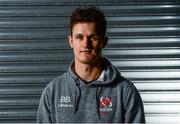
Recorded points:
87,42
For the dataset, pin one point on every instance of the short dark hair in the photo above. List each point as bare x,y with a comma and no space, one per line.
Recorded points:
89,14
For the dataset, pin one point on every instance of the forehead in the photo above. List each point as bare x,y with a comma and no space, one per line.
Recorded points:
84,27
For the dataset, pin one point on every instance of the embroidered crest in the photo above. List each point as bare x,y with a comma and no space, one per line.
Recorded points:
105,104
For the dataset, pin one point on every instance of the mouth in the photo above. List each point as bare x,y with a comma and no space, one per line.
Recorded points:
86,51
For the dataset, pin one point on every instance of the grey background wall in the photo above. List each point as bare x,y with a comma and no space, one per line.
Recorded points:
144,42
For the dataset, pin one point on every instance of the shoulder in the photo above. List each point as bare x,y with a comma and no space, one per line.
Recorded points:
56,83
127,87
131,94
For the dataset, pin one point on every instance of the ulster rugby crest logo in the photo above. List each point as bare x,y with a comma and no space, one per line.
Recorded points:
105,104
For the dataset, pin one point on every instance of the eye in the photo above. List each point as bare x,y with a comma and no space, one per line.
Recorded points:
79,37
94,37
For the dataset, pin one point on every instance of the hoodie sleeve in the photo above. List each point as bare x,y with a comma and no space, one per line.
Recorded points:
134,110
43,114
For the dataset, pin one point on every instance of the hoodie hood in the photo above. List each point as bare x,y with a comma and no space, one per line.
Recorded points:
108,75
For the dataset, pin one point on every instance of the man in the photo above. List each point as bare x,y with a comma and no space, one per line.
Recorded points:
92,90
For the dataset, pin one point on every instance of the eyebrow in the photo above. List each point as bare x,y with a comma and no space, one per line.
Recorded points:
89,35
78,34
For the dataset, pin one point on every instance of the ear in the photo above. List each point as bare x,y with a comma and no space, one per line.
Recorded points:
70,41
105,41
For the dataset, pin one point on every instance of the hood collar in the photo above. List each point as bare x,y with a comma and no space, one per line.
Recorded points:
107,76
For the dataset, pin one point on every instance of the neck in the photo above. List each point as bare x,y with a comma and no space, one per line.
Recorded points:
88,72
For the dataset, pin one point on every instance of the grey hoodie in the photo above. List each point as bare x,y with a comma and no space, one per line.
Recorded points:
109,99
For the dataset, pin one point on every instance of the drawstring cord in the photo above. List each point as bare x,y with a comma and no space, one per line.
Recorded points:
98,91
77,96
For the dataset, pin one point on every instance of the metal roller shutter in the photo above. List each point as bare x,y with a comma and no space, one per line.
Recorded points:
144,42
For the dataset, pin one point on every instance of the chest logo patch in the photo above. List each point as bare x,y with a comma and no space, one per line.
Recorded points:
105,104
65,101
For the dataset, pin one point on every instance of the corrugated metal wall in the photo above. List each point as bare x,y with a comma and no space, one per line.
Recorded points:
144,42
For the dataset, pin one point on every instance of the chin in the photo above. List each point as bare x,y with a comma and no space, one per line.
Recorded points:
86,61
90,60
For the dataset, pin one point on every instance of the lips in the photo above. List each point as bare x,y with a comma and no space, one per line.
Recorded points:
86,51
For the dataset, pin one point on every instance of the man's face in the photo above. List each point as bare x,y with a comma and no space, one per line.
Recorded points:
87,44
